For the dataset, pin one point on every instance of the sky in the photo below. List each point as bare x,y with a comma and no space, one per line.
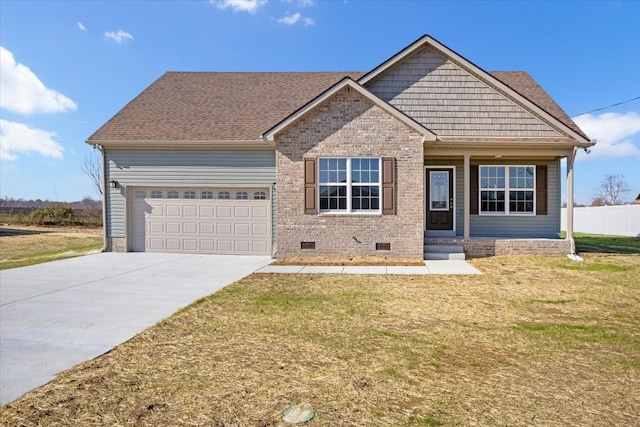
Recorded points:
68,67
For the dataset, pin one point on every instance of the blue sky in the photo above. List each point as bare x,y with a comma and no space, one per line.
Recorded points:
67,67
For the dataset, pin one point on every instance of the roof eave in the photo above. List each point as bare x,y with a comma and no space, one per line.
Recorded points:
183,144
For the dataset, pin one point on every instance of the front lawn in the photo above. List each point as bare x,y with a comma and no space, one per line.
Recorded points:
534,341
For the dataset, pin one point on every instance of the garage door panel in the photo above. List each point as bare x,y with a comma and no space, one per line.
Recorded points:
201,225
190,211
241,229
207,245
225,229
207,212
156,244
224,212
259,212
173,227
207,228
190,227
242,211
261,230
242,246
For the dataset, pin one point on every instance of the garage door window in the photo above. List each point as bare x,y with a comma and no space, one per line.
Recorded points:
173,195
189,194
140,194
206,195
224,195
242,195
156,194
259,195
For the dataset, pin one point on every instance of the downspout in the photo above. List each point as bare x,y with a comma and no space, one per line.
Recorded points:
570,173
104,196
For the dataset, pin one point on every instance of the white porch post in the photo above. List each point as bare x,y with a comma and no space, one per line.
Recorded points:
570,160
467,197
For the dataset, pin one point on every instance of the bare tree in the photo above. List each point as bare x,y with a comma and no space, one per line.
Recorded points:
612,187
93,169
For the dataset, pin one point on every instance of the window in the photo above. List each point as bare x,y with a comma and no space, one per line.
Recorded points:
189,195
259,195
156,194
173,195
224,195
242,195
349,185
140,194
206,195
507,190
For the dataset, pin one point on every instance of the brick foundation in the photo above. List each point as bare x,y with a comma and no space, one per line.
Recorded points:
478,248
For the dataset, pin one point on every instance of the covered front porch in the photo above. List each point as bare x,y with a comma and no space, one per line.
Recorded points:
496,202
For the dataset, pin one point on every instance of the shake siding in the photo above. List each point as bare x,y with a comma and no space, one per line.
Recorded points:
451,102
181,168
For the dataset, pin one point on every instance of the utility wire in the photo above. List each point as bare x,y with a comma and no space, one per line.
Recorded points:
608,106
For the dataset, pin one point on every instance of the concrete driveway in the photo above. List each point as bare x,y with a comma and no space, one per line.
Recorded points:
56,315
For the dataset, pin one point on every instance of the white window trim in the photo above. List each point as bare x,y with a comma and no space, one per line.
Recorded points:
350,185
506,191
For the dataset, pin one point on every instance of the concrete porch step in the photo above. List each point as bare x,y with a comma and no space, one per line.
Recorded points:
444,252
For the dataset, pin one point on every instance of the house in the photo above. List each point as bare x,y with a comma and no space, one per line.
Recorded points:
425,149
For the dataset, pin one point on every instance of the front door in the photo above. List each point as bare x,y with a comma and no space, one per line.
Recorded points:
440,199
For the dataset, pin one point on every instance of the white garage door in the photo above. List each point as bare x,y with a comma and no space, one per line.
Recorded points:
196,220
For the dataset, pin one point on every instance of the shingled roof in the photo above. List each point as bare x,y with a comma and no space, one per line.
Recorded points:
223,106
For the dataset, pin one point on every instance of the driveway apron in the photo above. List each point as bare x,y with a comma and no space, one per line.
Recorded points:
56,315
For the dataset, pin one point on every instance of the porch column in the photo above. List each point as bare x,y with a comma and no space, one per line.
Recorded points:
570,160
467,196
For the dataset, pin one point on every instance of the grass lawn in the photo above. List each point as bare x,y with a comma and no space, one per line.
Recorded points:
24,245
536,340
610,244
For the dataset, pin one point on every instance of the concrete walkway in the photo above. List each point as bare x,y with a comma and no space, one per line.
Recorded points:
430,267
56,315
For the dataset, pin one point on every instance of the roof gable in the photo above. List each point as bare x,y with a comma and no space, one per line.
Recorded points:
348,82
454,97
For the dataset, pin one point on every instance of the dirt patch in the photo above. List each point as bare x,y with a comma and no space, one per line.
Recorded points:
341,261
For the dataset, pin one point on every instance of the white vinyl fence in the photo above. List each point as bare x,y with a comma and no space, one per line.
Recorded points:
621,220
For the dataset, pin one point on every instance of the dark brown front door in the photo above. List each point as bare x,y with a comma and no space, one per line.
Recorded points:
439,199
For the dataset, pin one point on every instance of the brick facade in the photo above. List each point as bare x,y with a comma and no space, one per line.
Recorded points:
479,248
115,244
349,125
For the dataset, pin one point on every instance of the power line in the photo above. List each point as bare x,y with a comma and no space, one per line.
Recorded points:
608,106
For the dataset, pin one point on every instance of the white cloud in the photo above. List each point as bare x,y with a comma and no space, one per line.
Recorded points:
81,26
20,138
615,134
290,19
119,36
294,18
24,93
303,3
239,5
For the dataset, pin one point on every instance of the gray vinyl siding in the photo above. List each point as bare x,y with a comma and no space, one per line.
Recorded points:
450,101
511,226
180,168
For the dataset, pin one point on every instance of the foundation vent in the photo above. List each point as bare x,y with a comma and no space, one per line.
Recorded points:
307,245
383,246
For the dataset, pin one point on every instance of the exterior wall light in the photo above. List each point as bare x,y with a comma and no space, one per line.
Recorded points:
114,184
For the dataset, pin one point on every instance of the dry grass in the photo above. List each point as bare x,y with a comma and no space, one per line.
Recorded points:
533,341
341,261
25,245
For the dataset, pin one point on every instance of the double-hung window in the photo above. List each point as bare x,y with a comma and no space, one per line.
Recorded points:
349,185
507,190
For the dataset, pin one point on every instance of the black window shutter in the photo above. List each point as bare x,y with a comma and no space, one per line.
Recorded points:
473,194
541,190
